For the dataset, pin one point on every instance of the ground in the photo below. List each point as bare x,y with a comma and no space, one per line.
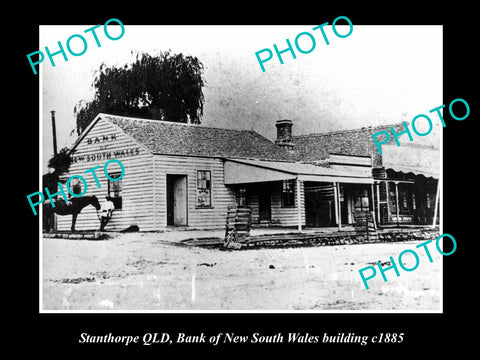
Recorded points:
147,271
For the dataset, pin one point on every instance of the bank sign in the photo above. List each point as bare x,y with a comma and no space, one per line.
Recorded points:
103,152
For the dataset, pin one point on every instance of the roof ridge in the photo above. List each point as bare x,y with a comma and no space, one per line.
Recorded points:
347,130
198,126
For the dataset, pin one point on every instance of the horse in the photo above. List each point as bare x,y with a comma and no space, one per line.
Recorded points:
72,207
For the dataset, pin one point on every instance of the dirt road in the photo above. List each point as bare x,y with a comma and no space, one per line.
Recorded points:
141,272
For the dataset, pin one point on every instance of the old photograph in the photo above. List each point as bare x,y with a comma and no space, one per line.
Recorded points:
242,168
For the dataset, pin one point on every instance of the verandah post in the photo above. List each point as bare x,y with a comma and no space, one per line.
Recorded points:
389,211
299,209
339,208
336,200
397,204
373,199
378,203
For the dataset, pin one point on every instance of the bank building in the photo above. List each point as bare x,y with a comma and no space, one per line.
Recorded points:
185,175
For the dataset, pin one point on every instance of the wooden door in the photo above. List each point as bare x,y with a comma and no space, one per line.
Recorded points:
177,200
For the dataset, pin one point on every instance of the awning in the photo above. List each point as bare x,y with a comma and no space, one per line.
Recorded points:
417,160
415,171
242,171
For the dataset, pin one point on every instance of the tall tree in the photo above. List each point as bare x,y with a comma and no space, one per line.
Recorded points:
60,163
162,87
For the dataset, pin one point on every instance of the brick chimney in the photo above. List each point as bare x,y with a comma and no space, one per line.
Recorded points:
284,134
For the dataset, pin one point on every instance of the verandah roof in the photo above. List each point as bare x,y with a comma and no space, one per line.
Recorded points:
244,171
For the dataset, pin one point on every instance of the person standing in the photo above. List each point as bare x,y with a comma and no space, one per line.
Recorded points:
105,212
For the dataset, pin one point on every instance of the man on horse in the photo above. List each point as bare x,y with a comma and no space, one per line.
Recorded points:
57,165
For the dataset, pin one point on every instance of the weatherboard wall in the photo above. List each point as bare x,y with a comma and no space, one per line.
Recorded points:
201,217
104,141
144,184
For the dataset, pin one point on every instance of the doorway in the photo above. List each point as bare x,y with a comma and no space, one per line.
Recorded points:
264,204
319,205
177,200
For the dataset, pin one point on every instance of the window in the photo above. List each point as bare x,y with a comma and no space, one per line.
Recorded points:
242,196
403,201
288,193
115,190
361,199
430,200
204,188
393,200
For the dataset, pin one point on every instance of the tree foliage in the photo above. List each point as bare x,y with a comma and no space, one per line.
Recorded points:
162,87
61,161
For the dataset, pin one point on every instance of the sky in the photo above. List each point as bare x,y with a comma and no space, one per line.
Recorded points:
377,75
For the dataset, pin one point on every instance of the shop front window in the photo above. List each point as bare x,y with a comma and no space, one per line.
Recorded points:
393,201
404,201
430,200
361,199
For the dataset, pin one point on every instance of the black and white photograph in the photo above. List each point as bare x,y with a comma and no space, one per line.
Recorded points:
217,186
257,185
